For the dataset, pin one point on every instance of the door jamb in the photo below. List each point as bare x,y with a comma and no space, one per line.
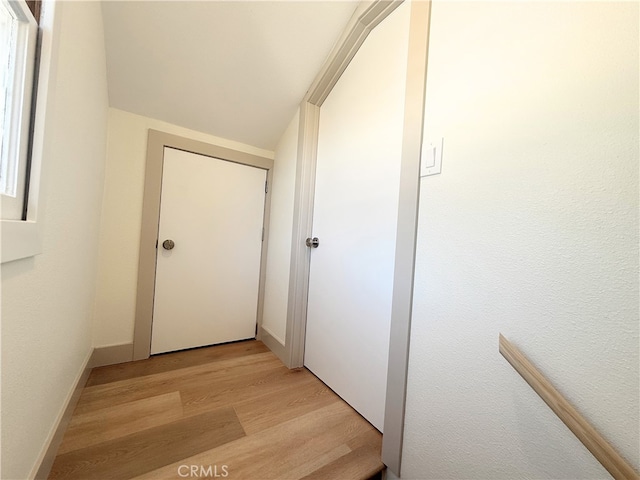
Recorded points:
156,143
366,17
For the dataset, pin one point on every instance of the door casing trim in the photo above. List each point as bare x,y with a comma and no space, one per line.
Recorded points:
156,143
406,236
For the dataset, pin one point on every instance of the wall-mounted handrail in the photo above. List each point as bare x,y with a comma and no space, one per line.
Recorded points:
595,443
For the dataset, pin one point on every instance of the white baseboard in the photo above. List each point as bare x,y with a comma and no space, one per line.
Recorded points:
270,332
112,354
47,456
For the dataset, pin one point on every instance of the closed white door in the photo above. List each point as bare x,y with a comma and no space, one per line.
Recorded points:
209,251
355,219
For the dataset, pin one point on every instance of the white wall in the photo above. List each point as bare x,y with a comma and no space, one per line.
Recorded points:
531,230
121,218
276,296
47,300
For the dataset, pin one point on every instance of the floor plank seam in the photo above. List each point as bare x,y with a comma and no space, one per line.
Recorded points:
245,411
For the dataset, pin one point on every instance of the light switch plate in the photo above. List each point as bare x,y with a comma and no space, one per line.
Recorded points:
431,157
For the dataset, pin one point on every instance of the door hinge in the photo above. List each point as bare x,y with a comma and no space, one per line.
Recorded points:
266,187
263,234
256,329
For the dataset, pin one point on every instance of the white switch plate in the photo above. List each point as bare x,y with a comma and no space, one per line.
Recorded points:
431,157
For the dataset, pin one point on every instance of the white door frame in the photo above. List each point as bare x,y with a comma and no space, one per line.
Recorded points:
156,143
366,17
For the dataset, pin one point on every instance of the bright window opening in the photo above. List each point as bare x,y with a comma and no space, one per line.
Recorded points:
18,36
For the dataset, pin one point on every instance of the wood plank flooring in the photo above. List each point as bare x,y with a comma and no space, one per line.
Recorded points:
231,411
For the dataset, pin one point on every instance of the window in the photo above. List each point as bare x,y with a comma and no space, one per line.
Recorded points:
22,237
18,32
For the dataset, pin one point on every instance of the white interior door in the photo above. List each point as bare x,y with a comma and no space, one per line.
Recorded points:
355,219
207,285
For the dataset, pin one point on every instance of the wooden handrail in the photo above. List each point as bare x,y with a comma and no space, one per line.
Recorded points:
595,443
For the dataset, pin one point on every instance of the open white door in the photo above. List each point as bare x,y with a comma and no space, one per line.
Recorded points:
207,281
355,219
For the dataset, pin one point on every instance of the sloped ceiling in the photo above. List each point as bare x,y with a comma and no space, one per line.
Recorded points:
233,69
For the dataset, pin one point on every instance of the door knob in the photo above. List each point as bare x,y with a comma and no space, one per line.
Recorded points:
312,242
168,244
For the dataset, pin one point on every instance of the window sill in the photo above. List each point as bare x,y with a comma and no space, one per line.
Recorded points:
20,239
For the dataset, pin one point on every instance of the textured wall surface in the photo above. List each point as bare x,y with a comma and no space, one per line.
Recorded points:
531,230
276,294
122,215
47,300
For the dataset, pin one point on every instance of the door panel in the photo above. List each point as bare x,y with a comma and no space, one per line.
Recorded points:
207,285
355,218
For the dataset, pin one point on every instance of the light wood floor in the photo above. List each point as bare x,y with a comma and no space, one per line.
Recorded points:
232,410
